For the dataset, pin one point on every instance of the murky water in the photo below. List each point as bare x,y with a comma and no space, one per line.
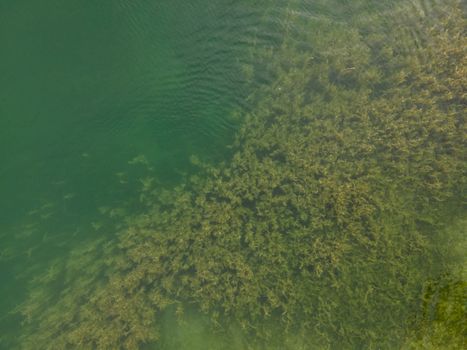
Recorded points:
232,174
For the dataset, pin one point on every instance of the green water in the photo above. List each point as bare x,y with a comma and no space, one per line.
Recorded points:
232,174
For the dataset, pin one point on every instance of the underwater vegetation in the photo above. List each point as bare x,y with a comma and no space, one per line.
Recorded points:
338,222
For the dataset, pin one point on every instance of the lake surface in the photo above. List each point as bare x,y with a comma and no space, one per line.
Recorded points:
310,154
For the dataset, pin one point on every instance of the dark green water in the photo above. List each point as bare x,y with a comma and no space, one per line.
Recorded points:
102,101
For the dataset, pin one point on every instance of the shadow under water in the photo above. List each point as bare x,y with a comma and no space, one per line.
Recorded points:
338,222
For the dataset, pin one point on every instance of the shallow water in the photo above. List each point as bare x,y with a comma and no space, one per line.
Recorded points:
101,101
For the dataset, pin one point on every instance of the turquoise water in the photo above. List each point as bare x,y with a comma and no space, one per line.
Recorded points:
105,105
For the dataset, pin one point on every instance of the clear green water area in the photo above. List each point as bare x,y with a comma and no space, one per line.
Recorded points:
233,174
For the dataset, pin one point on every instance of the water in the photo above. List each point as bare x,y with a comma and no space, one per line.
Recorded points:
85,89
105,107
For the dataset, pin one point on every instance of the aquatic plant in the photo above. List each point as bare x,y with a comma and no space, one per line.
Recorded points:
326,229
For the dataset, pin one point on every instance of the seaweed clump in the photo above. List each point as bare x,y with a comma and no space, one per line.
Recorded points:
325,227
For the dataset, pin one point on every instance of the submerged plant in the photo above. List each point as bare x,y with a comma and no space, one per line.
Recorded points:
326,227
